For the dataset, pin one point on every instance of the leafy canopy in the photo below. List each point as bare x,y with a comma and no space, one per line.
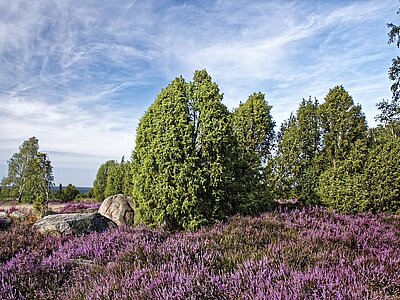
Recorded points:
30,175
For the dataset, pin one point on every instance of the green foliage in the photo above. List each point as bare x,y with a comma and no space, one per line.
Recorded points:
116,178
253,130
364,179
394,70
298,162
69,193
382,134
182,159
5,192
394,75
253,127
390,111
89,194
211,146
112,178
343,123
382,176
40,205
43,179
100,183
390,116
30,175
127,184
342,187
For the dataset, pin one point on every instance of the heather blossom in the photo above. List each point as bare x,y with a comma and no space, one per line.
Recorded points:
301,254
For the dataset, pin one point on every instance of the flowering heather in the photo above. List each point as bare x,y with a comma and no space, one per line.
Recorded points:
12,209
307,254
24,210
73,207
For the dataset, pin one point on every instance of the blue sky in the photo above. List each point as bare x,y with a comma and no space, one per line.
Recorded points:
78,75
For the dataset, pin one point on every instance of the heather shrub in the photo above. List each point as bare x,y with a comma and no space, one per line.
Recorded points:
74,207
307,254
20,238
11,209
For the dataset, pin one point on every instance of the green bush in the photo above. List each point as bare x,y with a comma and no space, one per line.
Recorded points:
69,193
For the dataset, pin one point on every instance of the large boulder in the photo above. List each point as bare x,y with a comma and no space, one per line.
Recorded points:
118,209
73,224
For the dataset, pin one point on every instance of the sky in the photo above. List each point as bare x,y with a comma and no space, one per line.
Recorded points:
78,75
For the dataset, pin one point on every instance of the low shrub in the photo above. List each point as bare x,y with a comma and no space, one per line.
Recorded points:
299,254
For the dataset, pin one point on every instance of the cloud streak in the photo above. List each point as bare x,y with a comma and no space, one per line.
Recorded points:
79,75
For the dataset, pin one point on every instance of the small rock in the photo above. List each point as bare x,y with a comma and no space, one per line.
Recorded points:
5,222
3,214
73,224
82,262
118,209
17,215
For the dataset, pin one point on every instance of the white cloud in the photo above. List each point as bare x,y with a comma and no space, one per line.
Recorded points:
263,51
78,75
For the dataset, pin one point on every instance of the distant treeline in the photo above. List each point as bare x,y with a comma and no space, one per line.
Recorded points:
56,193
81,189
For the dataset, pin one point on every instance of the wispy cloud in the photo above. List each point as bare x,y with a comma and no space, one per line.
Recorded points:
78,75
308,49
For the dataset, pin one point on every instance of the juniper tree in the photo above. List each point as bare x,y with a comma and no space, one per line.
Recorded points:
341,186
253,130
69,193
298,163
382,175
115,179
100,183
382,171
343,123
181,161
211,146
